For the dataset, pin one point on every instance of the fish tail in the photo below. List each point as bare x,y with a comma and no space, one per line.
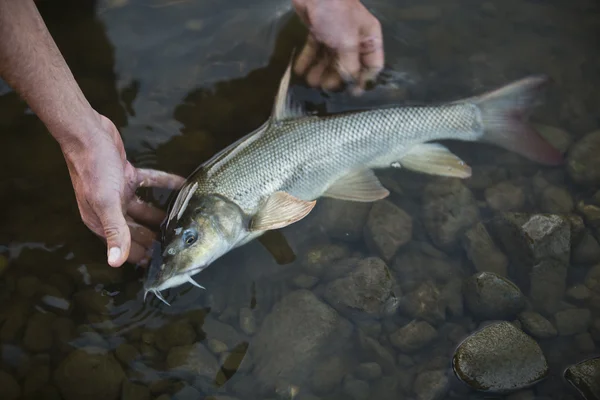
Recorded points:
504,114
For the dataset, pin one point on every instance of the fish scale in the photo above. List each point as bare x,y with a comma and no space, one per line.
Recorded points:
272,177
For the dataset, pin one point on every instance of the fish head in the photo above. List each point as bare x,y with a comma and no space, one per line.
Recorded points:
209,227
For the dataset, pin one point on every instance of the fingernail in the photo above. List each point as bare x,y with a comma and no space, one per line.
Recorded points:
113,255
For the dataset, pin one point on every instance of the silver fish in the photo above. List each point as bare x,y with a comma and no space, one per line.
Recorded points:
272,177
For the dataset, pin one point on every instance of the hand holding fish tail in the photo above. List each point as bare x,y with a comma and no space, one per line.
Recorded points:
344,44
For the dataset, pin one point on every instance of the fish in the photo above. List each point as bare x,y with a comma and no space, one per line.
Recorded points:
272,177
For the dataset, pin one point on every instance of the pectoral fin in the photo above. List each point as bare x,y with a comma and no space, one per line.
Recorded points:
277,245
435,159
360,185
281,209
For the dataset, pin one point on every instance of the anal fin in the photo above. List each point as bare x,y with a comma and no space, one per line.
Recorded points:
281,209
361,185
435,159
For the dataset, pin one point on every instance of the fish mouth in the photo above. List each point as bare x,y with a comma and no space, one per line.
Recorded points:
185,277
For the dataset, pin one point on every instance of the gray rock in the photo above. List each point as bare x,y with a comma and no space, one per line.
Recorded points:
177,333
559,138
344,220
483,252
413,336
582,161
490,296
320,257
591,215
592,279
356,389
191,361
38,334
89,374
449,208
426,302
585,377
573,321
431,385
585,342
388,228
214,329
579,293
127,353
373,350
134,391
505,196
548,285
485,176
304,281
247,321
328,374
298,332
368,289
499,358
368,371
556,200
9,387
587,250
536,325
418,265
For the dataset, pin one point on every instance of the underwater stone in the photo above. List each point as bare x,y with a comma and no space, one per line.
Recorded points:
583,163
388,228
585,377
490,296
483,252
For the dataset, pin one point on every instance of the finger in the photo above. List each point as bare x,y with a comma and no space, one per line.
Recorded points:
116,233
331,79
371,52
313,78
307,56
138,254
348,63
145,213
161,179
140,234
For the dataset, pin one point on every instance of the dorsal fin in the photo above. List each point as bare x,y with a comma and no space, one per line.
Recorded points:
285,107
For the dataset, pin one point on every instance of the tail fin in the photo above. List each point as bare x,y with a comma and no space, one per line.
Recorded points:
504,114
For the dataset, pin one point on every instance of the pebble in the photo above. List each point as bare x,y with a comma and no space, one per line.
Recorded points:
36,379
368,371
328,375
585,377
38,334
556,200
304,281
505,196
432,385
320,257
192,360
134,391
388,228
426,302
579,293
573,321
587,250
177,333
356,389
343,220
413,336
536,325
490,296
216,346
127,353
583,163
483,252
28,286
499,358
247,321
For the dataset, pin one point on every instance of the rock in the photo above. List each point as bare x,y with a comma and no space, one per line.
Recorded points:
556,200
38,334
499,358
93,301
490,296
342,219
356,389
89,374
585,377
127,353
572,321
485,176
483,252
328,374
213,329
431,385
505,196
299,331
368,289
536,325
413,336
579,293
368,371
548,285
9,388
558,138
592,279
373,350
449,208
585,343
133,391
595,330
587,251
425,302
304,281
582,161
192,360
247,321
321,257
216,346
591,215
36,379
177,333
388,228
418,265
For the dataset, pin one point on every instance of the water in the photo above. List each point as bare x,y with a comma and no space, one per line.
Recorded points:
181,80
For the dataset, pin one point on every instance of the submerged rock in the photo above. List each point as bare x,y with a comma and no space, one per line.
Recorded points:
556,200
388,228
585,377
505,196
426,302
431,385
587,251
343,219
483,252
299,331
499,358
583,163
490,296
573,321
368,289
191,361
413,336
548,285
536,325
320,257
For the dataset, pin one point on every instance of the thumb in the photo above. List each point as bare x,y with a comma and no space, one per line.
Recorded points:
116,232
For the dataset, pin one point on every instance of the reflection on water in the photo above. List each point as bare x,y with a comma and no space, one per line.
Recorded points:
379,296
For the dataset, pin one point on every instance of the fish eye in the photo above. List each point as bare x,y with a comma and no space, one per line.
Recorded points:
190,236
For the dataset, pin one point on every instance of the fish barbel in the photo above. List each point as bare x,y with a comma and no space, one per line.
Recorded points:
273,176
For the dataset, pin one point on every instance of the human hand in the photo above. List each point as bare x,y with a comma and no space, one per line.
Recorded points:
105,184
344,43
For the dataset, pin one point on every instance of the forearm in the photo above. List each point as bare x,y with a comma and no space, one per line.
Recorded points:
31,63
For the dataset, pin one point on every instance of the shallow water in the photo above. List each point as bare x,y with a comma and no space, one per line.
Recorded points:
183,79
